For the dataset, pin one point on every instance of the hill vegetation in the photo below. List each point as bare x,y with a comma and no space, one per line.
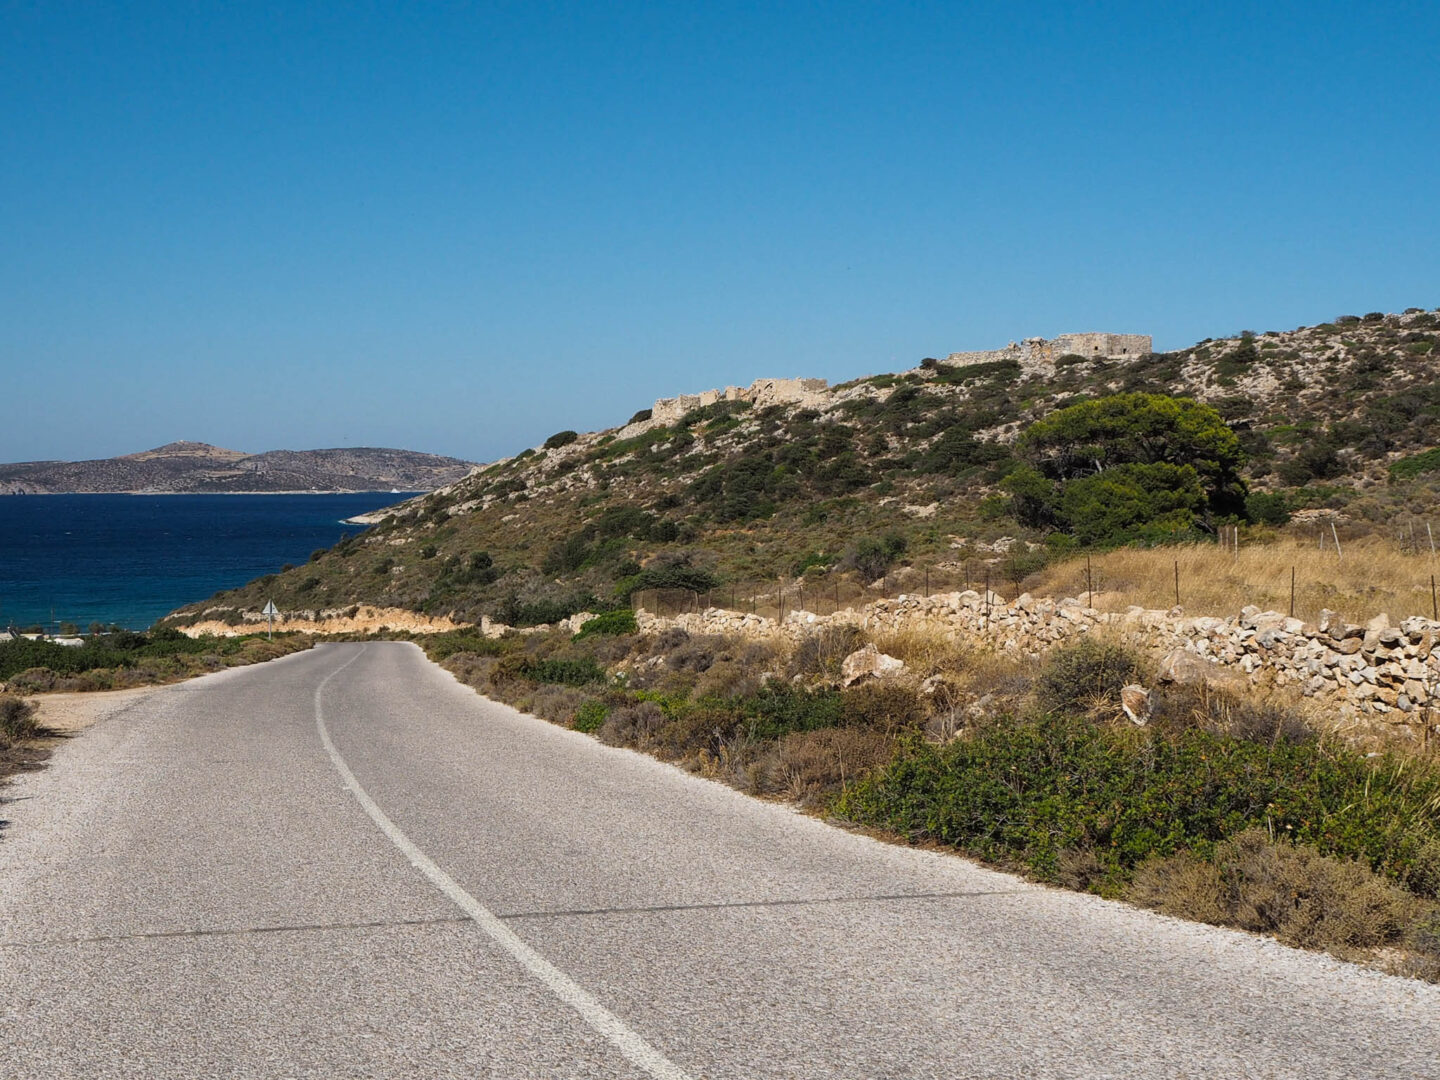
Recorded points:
924,467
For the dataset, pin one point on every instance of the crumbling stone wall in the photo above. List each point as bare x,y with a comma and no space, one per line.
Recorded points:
762,393
1110,346
1386,672
1037,356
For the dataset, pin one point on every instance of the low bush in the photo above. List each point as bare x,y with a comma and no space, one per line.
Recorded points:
631,725
1407,468
440,647
1024,791
872,556
819,655
131,659
1075,677
577,671
1292,891
779,710
590,716
886,707
810,766
621,621
1267,508
17,719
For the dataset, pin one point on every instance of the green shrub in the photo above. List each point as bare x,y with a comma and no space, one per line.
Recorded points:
1000,371
672,576
581,671
590,716
1267,508
1077,675
561,438
440,647
1028,790
778,710
621,621
811,560
873,556
512,611
888,707
1407,468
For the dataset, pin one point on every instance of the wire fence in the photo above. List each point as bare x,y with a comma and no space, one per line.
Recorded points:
1299,591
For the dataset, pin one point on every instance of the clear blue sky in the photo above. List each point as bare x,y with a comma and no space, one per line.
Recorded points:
461,227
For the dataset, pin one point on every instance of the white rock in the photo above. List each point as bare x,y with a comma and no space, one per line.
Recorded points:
869,663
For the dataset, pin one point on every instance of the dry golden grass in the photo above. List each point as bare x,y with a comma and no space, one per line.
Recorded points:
1372,576
925,650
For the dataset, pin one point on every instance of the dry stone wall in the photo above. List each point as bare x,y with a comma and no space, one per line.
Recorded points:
1378,670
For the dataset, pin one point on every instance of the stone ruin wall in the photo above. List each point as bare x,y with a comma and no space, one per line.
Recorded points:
1110,346
1037,356
762,393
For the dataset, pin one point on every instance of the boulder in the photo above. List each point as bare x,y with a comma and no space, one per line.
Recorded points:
869,663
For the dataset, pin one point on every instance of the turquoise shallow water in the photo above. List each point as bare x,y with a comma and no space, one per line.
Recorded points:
129,559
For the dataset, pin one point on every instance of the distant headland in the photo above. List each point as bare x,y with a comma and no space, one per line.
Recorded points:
196,468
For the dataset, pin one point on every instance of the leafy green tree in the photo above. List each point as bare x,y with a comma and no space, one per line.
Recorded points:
1128,466
1132,502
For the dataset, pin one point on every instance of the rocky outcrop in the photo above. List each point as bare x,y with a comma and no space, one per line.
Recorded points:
361,619
762,393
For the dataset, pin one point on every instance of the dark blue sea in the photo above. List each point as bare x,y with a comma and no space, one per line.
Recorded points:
129,559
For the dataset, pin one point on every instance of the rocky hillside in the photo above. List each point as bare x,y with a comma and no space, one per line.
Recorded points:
789,479
194,468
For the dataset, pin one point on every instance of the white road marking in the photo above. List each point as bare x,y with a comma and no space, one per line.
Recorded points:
639,1052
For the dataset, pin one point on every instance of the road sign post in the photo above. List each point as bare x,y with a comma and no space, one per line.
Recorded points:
269,611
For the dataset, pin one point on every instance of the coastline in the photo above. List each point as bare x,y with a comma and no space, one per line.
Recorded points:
328,491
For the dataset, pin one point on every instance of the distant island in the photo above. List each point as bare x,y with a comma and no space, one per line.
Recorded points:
196,468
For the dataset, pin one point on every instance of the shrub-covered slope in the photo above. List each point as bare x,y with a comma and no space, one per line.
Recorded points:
896,467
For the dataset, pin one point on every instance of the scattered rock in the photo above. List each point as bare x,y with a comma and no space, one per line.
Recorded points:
1183,667
869,663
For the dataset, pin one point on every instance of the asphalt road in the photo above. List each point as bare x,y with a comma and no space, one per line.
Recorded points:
344,864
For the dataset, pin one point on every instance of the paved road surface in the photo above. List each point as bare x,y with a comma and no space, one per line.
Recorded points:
344,864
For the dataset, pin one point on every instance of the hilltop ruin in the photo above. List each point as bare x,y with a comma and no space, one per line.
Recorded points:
1037,356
